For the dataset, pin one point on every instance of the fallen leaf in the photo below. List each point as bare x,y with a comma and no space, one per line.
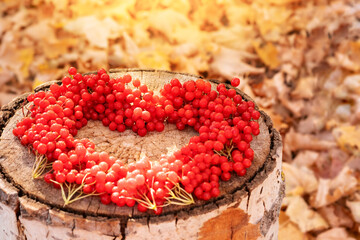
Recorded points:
337,215
288,228
96,31
297,141
295,106
237,37
277,119
348,55
354,207
154,60
334,234
167,22
299,180
267,53
348,138
307,219
41,31
5,76
352,83
5,98
54,50
305,88
312,124
271,20
331,190
229,63
26,56
233,223
306,158
37,83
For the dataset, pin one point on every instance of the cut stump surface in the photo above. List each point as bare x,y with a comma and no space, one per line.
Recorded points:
247,207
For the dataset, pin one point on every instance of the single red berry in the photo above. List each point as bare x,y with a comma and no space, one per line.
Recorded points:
235,82
72,71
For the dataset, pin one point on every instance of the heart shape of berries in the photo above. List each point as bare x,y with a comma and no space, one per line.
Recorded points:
224,121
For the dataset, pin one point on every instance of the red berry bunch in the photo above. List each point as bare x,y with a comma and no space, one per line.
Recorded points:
225,123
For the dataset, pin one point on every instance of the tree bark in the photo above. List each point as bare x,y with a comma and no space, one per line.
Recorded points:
247,207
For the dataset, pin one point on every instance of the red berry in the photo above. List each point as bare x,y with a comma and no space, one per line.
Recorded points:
72,71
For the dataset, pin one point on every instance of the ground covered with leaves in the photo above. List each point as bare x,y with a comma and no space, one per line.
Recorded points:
299,60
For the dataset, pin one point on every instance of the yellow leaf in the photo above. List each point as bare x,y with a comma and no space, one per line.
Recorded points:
26,57
54,50
268,54
280,2
288,228
272,21
348,138
154,59
43,66
303,216
59,25
36,83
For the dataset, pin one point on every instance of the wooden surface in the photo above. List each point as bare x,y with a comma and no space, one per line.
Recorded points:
16,163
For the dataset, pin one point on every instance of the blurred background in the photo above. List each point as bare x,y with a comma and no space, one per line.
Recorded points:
299,60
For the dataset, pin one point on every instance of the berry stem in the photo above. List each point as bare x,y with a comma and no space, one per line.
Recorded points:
178,196
72,190
146,201
39,166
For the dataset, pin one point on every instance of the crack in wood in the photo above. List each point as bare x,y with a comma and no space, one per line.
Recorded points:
264,205
73,228
176,220
123,225
248,197
148,222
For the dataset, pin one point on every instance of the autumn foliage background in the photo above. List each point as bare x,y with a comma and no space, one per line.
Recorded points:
299,60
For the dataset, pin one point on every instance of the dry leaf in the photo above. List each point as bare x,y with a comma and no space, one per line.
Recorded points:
354,163
56,49
97,58
348,55
41,31
301,214
236,37
277,119
5,98
229,63
288,228
305,88
299,180
352,83
311,125
167,22
154,60
354,207
331,190
306,158
268,54
282,1
295,106
96,31
26,56
348,138
335,234
297,141
336,215
271,20
37,83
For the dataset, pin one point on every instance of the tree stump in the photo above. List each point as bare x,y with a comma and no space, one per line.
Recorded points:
247,207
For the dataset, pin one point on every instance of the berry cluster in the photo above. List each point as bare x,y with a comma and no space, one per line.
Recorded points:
225,123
